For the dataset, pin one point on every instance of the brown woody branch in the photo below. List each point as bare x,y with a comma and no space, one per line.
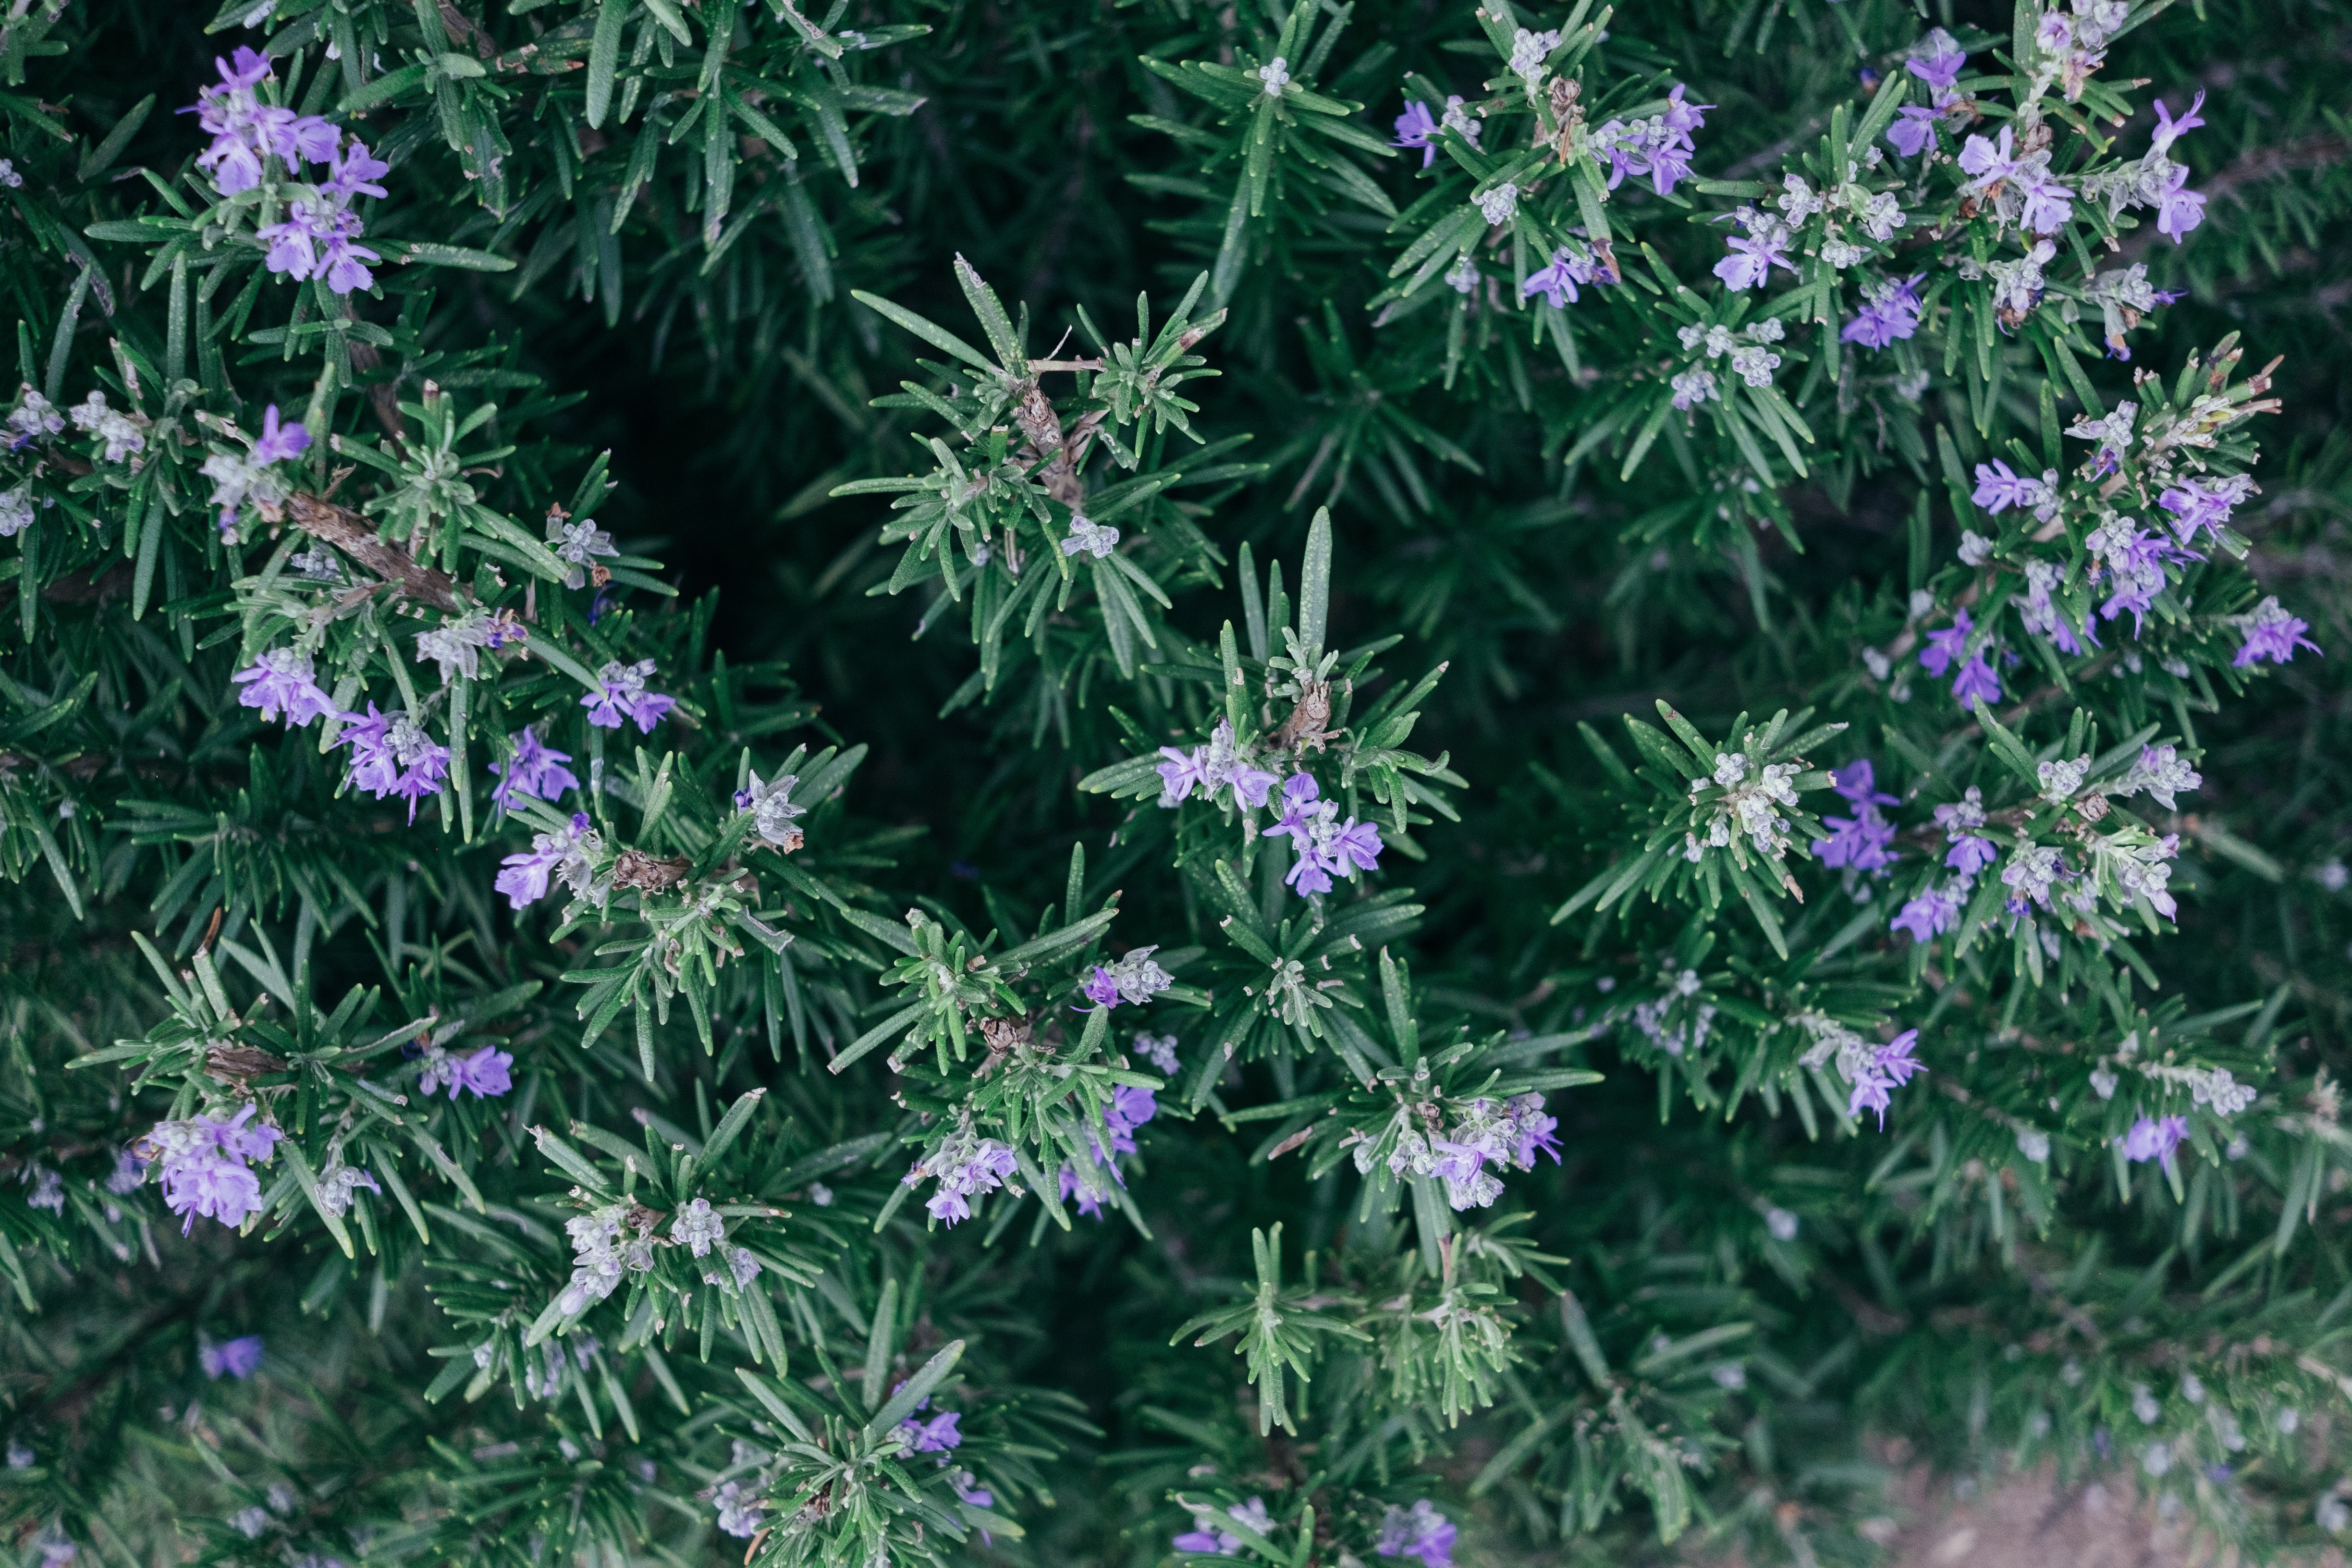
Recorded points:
350,533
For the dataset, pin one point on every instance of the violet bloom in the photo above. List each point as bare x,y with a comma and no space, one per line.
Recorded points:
1890,312
281,680
1931,914
563,853
230,113
1182,774
2155,1140
280,442
1914,129
392,754
966,1487
1532,1132
2274,635
2204,504
936,1435
2048,206
1751,260
1557,282
1940,67
2177,209
1205,1538
2168,129
620,692
1894,1057
341,263
964,1166
1858,781
203,1160
1970,854
1945,645
1976,683
536,771
1999,488
1416,127
485,1074
239,1358
355,172
1419,1532
1989,162
1087,1199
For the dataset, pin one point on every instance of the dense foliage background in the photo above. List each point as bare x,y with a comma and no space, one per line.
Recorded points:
636,226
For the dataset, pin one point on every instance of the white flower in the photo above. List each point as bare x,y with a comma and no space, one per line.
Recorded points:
8,175
771,809
1693,388
1529,51
2103,1083
16,511
1975,548
697,1228
119,431
33,416
456,646
2034,1144
1460,119
1497,204
1782,1224
1463,274
1755,365
1090,537
1275,73
2060,779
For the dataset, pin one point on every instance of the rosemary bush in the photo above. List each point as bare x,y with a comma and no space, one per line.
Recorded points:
1640,804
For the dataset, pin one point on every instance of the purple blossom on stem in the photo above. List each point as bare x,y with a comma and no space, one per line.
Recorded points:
620,692
2155,1140
1887,1068
1999,488
1914,129
1938,67
2204,504
1943,647
1322,844
964,1166
1989,162
536,771
1218,765
1416,127
2168,129
1976,683
1931,914
563,853
936,1435
1860,841
1532,1132
1132,977
486,1075
1889,313
239,1358
204,1166
392,754
2178,208
1557,282
2274,635
281,680
1659,147
1419,1532
280,442
1752,257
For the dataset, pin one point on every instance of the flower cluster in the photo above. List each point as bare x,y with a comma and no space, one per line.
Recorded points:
568,854
1132,977
697,1228
1959,644
457,644
1221,764
964,1166
281,680
621,693
118,433
535,772
1862,841
1418,1531
1206,1537
1751,360
1676,1023
318,236
577,544
1129,1108
1889,313
1658,147
598,1259
203,1160
1324,846
2155,1139
1559,281
1506,1133
772,810
392,754
1873,1071
1417,128
1749,806
253,478
1089,537
486,1074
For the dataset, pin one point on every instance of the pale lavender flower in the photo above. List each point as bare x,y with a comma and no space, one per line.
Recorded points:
1945,645
1532,1132
485,1074
967,1489
354,170
1914,129
1938,66
1132,977
2274,635
1416,127
1659,147
772,810
2155,1140
740,1511
1419,1532
936,1435
1889,313
203,1165
535,772
964,1166
239,1358
1976,683
1160,1050
563,853
620,692
1557,282
576,545
1752,258
232,115
1989,162
1999,488
2177,209
281,680
2168,129
1089,537
2048,204
2204,504
2034,869
339,1184
1931,914
1860,841
280,442
696,1229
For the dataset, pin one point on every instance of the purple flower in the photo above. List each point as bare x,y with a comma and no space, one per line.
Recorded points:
1129,1108
203,1160
1989,162
1323,843
2155,1140
1420,1531
2168,129
2177,210
1941,68
536,771
2204,504
392,754
1659,147
1857,782
281,680
1894,1057
1207,1538
280,442
484,1074
1556,283
964,1166
238,1357
1999,488
1752,258
1860,841
1929,915
1101,988
2049,204
1416,127
343,262
936,1435
1890,312
231,115
293,243
964,1484
1532,1130
1970,854
2274,635
1914,129
620,692
1943,647
1355,847
355,172
563,853
1976,683
1181,772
